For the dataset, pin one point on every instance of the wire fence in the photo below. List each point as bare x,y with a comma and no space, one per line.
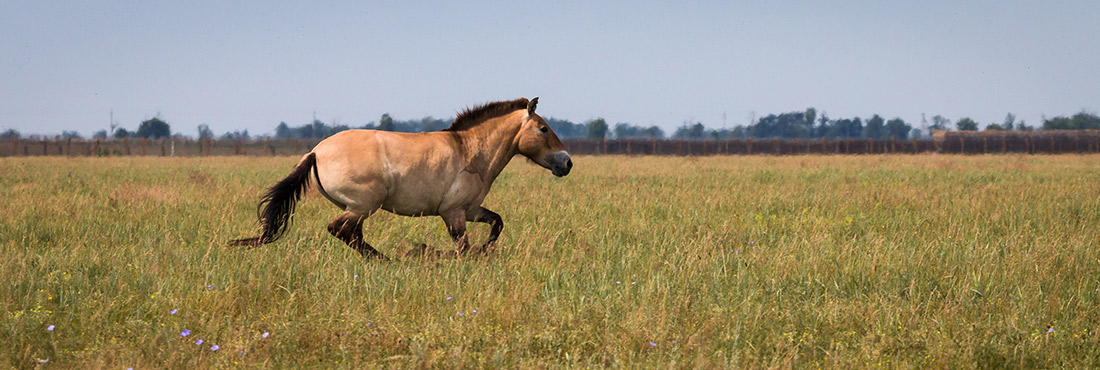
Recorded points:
1050,142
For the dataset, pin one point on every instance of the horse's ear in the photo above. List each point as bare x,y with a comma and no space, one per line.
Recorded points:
531,105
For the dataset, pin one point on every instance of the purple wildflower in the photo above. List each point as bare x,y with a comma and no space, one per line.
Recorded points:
459,314
265,334
49,328
448,298
198,342
173,312
1050,329
651,344
214,347
185,333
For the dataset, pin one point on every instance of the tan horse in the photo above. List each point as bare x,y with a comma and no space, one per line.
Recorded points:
445,173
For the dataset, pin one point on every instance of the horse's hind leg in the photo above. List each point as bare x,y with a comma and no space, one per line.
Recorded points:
348,227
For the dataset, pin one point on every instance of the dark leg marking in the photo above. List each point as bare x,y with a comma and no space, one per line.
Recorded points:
348,227
496,225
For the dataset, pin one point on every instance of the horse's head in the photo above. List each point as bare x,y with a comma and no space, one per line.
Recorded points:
539,143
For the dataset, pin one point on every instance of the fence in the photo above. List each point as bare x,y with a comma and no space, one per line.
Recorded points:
1083,141
156,147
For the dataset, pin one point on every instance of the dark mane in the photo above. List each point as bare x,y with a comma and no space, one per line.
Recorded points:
471,117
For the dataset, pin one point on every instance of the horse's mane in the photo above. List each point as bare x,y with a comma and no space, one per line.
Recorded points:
471,117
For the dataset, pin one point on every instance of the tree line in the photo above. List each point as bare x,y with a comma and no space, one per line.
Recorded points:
807,124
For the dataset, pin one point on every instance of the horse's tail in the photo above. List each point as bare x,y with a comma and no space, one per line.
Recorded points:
277,205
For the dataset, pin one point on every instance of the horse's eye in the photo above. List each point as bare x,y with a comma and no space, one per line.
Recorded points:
544,129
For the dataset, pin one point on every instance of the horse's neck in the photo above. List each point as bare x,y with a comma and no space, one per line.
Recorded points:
489,147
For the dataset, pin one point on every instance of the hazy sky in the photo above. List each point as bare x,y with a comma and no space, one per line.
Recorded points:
249,65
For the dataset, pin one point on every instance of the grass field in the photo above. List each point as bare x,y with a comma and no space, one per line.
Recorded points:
924,261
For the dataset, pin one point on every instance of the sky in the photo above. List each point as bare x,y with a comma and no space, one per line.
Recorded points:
236,65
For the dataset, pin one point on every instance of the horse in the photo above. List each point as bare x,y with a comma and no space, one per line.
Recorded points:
444,173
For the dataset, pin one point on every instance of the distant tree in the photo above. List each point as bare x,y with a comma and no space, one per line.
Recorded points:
386,123
205,132
994,127
847,127
71,135
739,132
243,135
1079,121
565,128
786,125
653,132
939,123
822,128
897,129
121,133
690,131
876,127
916,133
154,128
1023,126
101,134
11,133
283,131
966,124
624,130
597,129
1009,121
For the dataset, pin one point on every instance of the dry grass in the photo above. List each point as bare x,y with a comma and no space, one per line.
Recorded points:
805,261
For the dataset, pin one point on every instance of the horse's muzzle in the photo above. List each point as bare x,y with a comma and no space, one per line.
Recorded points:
560,163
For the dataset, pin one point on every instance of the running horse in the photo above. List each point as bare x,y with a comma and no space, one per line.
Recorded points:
444,173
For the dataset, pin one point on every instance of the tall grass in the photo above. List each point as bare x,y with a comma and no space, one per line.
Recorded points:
925,261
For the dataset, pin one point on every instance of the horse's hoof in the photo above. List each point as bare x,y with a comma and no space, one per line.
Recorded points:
418,250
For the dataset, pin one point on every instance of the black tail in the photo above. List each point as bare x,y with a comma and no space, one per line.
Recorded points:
277,205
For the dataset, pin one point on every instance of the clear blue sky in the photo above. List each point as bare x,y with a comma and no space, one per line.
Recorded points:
249,65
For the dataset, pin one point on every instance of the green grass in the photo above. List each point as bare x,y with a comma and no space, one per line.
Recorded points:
925,261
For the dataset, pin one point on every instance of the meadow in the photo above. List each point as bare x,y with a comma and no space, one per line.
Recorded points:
873,261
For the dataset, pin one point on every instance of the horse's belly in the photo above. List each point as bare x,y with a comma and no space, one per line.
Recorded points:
406,208
412,201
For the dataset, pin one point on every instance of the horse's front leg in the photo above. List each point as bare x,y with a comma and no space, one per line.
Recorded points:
456,226
496,225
